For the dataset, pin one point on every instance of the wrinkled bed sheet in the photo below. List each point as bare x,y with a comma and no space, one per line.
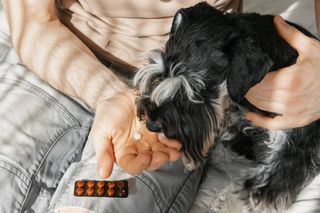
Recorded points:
224,167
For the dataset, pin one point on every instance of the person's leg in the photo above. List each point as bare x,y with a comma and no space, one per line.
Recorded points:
168,189
41,133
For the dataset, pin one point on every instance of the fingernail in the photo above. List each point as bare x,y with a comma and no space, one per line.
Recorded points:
281,21
162,135
102,173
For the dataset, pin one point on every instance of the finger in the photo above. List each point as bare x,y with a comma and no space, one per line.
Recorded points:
158,159
169,142
132,161
266,122
171,152
282,79
276,123
280,96
142,145
268,105
292,35
105,157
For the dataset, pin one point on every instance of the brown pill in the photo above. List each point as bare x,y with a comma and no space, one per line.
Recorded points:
111,184
80,184
90,191
100,184
100,191
90,184
111,192
80,191
120,184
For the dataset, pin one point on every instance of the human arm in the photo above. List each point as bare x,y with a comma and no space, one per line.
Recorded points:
57,56
292,91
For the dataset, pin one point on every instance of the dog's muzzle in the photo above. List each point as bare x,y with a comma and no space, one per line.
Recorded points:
153,127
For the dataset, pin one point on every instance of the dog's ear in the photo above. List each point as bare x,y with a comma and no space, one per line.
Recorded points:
248,65
177,20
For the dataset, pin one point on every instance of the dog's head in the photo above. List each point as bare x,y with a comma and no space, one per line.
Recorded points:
184,86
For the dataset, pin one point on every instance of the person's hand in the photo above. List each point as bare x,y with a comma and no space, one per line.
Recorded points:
294,91
113,131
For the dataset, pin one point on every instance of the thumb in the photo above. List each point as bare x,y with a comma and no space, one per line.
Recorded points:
292,35
104,155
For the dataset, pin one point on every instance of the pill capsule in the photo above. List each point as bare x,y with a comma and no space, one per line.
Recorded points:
90,191
80,191
111,184
100,184
100,191
80,184
111,192
90,184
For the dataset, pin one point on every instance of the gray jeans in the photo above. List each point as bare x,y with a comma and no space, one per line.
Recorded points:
44,150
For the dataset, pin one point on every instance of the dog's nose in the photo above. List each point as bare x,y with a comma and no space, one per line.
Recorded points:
153,127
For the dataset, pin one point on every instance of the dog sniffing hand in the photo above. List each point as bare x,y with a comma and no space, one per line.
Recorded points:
292,91
113,133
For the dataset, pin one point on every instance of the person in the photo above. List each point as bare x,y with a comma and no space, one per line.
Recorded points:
38,175
50,139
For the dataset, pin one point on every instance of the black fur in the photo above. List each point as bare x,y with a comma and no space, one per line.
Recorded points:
238,49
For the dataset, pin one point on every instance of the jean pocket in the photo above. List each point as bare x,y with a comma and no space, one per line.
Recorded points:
14,182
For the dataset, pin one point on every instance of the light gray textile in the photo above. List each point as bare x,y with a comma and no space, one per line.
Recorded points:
42,133
168,189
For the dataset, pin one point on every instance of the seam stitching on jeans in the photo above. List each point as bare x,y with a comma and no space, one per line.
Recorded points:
153,189
40,93
17,170
56,140
8,162
150,178
33,178
64,186
5,166
180,189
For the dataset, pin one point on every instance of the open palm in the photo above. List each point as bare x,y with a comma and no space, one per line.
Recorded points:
113,132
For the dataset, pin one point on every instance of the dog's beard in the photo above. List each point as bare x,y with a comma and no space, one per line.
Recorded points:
216,121
197,130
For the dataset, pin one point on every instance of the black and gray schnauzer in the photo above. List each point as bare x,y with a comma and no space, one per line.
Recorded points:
194,90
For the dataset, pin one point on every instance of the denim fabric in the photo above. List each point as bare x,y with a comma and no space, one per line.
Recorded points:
169,189
39,137
42,137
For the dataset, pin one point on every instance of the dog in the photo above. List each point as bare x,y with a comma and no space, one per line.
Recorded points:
193,91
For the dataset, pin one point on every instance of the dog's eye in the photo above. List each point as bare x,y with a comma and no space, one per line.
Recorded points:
199,42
